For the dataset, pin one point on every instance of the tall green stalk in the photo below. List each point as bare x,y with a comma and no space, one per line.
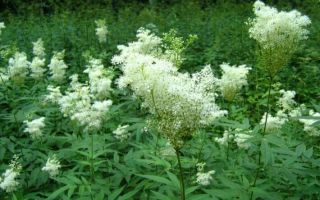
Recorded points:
181,178
263,133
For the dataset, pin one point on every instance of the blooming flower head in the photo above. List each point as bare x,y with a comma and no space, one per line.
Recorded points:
35,127
232,80
8,180
121,133
52,166
54,94
273,122
224,141
203,178
101,30
57,67
278,34
286,101
38,49
18,66
241,138
36,67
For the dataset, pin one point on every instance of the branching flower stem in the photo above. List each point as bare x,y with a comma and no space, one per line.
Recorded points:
181,178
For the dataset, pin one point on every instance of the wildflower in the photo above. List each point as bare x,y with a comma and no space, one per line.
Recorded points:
286,101
38,49
36,67
273,123
8,180
121,133
224,141
309,126
18,66
54,94
232,80
57,67
203,178
100,84
101,30
241,137
180,102
278,34
35,127
52,166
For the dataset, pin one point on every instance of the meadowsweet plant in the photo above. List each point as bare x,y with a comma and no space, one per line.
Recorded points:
278,34
35,127
18,68
310,126
52,166
101,30
8,180
121,133
203,178
57,67
38,61
232,80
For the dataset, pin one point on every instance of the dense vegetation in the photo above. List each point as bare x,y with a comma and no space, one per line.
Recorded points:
127,150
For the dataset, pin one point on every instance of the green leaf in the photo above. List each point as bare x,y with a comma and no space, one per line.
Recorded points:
115,194
158,179
58,192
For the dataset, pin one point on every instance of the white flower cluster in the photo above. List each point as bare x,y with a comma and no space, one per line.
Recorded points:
273,29
287,101
80,102
57,67
35,127
8,180
101,30
240,137
203,178
100,83
232,80
181,102
38,61
273,122
52,166
309,126
18,66
121,133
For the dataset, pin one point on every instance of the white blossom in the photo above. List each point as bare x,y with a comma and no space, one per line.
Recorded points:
18,66
35,127
57,67
273,122
203,178
273,29
101,31
52,166
232,80
121,133
311,129
224,141
36,67
38,49
8,180
242,137
287,101
54,94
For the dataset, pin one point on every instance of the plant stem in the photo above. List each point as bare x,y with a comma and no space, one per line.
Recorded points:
183,197
91,166
263,133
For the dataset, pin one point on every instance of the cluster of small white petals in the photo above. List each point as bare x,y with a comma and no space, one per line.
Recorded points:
277,29
309,126
101,31
100,84
57,67
241,138
224,141
232,80
203,178
8,180
287,101
121,133
38,48
36,67
2,26
18,65
274,122
34,127
52,166
183,101
54,94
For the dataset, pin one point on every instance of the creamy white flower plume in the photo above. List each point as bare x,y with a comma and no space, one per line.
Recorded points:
8,180
203,178
52,166
121,133
35,127
101,30
18,66
57,67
